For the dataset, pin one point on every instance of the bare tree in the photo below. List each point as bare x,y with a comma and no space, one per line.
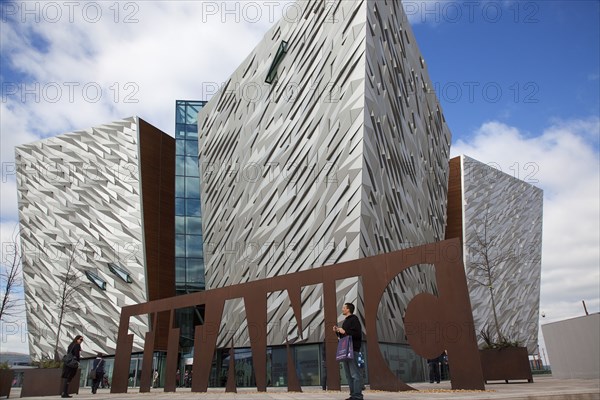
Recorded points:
486,261
69,286
11,279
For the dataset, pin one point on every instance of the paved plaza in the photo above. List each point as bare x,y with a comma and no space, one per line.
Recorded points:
543,387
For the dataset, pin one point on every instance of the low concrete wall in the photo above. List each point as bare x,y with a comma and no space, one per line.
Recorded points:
573,347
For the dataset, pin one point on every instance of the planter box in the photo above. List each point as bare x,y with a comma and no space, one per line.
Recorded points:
505,364
6,378
46,382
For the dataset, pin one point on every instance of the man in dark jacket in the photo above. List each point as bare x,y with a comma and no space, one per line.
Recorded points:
352,327
98,366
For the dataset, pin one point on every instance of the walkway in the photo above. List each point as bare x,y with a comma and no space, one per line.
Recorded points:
543,388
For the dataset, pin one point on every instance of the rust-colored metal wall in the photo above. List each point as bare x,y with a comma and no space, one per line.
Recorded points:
157,169
433,323
454,222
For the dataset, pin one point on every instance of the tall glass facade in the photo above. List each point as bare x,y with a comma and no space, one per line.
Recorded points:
189,256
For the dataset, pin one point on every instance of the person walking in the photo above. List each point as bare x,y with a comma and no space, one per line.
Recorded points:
155,379
68,373
434,368
98,366
352,327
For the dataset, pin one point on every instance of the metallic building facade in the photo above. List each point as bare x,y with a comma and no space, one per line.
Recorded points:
343,155
94,211
499,220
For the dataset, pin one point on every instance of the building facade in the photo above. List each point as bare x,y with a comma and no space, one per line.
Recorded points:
327,144
189,254
96,211
499,221
189,261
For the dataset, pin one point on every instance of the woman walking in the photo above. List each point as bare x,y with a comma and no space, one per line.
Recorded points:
68,373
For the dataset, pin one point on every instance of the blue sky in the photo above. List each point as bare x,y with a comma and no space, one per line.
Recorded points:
522,63
518,82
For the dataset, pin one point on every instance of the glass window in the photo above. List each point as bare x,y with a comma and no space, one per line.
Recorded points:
192,132
192,114
278,366
195,270
179,146
307,364
192,208
194,226
180,112
179,245
120,272
180,206
180,269
191,166
180,186
180,165
192,187
95,279
180,224
194,246
191,148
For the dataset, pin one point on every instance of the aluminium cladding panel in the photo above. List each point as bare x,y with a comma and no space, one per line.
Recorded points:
406,149
329,174
79,200
510,210
281,172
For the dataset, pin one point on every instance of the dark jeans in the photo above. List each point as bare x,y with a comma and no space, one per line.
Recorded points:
354,377
434,372
96,382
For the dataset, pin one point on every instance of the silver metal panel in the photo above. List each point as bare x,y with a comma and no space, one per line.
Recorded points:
344,156
81,191
513,210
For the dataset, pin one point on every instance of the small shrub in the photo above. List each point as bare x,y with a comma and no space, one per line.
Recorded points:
500,342
47,363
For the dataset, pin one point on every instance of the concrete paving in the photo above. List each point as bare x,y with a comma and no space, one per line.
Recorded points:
543,387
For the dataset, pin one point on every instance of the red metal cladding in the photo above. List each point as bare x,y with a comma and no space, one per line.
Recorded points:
433,324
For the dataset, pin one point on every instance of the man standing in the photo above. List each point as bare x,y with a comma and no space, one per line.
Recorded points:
351,326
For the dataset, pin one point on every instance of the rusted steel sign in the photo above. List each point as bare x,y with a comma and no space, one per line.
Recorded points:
433,324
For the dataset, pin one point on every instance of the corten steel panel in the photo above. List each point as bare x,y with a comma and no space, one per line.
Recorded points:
511,363
433,323
172,353
454,223
292,375
46,382
231,383
122,356
157,170
146,379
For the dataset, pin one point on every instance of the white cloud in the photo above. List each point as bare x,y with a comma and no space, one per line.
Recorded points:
69,68
81,73
563,161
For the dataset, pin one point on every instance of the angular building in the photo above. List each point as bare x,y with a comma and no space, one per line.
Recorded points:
499,221
327,144
96,210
